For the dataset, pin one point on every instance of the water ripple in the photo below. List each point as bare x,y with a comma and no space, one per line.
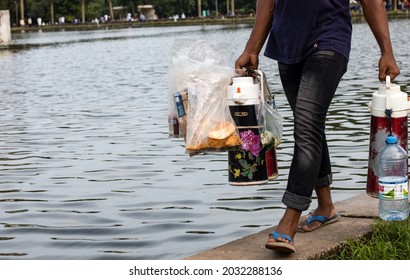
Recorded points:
87,170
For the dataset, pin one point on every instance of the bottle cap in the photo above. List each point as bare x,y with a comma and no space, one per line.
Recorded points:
391,139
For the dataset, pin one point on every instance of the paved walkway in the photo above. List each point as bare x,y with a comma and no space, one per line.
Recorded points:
359,214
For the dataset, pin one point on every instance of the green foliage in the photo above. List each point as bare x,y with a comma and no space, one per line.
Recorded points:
4,4
95,9
389,241
68,9
71,9
167,8
38,8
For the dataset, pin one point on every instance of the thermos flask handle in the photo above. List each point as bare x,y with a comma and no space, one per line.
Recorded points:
388,84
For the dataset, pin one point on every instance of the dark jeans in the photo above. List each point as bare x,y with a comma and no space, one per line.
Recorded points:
309,87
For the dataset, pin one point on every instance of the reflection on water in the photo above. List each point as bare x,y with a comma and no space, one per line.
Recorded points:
87,170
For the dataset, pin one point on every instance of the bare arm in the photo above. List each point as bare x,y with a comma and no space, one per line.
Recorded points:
375,14
260,31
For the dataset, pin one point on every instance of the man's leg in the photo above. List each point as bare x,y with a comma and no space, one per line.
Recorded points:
309,87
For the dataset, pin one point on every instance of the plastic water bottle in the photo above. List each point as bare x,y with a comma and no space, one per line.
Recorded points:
393,181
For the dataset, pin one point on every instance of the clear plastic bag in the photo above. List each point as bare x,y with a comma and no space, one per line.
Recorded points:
210,126
198,69
270,121
272,126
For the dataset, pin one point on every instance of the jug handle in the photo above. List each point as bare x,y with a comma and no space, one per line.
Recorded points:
388,83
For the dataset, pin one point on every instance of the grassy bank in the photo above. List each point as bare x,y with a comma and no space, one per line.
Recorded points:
389,241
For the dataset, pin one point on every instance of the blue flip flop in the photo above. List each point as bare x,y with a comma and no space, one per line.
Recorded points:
280,246
322,219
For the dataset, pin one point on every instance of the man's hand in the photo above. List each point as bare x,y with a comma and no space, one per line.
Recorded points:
247,60
388,66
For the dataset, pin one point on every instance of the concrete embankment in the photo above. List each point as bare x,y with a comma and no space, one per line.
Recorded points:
359,214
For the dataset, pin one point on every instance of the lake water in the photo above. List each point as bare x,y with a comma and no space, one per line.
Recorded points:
87,170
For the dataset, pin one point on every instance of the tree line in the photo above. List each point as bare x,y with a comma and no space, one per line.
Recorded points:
87,10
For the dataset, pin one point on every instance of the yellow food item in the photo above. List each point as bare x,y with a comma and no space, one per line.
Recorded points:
233,141
221,136
222,131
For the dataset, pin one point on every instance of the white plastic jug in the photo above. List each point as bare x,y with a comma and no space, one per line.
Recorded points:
243,91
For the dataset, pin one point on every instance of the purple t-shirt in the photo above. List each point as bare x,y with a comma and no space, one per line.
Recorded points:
301,27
